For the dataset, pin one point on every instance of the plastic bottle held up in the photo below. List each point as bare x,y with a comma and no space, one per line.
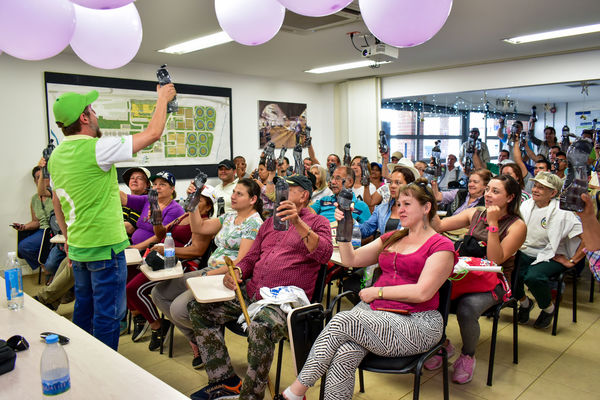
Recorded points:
344,228
54,369
220,206
13,277
356,236
170,259
383,146
164,78
282,192
576,183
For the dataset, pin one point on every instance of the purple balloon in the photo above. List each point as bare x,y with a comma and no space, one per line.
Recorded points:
250,22
35,29
107,39
405,23
102,4
315,8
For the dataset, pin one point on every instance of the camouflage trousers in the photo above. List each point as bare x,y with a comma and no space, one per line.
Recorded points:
268,327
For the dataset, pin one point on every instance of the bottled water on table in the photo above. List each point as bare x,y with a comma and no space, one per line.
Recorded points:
54,369
170,259
13,277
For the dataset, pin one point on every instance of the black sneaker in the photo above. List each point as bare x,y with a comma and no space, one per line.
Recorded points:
523,313
197,362
544,320
159,335
140,327
226,389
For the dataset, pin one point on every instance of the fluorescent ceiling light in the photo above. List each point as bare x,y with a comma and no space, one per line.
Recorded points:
341,67
200,43
578,30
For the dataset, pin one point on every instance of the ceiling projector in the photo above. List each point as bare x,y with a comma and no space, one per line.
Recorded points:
380,52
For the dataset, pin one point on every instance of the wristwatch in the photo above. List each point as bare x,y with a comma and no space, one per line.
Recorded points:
381,292
492,229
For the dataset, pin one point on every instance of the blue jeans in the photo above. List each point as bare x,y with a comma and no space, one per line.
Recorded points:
29,248
54,259
100,297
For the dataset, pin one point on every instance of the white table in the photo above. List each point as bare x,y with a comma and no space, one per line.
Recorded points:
133,257
162,274
58,239
97,371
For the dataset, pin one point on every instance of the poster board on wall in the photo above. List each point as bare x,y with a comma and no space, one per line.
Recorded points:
278,122
197,136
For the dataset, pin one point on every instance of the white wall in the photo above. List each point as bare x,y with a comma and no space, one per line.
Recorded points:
24,132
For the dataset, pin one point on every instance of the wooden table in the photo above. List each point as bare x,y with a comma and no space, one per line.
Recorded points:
97,371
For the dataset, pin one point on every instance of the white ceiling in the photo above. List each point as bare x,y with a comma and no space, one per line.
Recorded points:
471,35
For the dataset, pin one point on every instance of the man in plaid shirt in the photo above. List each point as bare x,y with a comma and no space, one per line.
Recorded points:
276,258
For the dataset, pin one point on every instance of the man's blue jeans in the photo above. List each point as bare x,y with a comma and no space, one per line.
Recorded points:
100,297
29,248
54,259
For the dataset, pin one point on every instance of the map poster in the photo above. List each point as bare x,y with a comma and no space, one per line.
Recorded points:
197,136
278,122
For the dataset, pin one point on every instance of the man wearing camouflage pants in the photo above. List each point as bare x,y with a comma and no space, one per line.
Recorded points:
276,258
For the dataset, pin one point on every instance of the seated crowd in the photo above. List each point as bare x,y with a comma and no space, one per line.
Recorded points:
506,212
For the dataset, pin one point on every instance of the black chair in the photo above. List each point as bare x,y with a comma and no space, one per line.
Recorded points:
317,297
45,247
410,364
494,313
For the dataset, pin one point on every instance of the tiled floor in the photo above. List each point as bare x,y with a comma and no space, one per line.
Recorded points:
550,367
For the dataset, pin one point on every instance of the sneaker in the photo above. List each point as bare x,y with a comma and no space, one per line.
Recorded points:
543,320
523,313
140,327
463,369
226,389
197,362
159,335
436,361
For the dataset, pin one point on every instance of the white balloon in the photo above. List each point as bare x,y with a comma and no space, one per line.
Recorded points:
35,29
250,22
107,39
102,4
315,8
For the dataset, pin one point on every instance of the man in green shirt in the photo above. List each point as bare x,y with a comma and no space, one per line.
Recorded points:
88,207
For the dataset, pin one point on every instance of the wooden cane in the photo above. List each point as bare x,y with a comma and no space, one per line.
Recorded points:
238,291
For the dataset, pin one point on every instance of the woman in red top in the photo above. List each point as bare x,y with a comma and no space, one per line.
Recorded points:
415,262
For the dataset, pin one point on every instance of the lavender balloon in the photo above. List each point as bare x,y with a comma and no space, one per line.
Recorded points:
405,23
102,4
35,29
315,8
107,39
250,22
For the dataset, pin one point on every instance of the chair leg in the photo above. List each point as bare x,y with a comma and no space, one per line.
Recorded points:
445,372
279,362
492,351
40,275
162,342
361,381
557,306
515,337
591,288
172,328
574,296
417,384
322,391
129,317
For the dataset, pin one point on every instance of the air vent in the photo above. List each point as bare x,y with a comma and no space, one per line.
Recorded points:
301,24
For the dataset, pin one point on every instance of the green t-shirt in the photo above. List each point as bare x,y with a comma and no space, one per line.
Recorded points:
89,195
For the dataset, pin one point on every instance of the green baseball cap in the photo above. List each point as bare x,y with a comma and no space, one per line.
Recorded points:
69,106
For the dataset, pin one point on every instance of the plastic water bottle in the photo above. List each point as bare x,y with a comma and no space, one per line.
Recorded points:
282,192
13,277
54,368
356,236
170,259
344,228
